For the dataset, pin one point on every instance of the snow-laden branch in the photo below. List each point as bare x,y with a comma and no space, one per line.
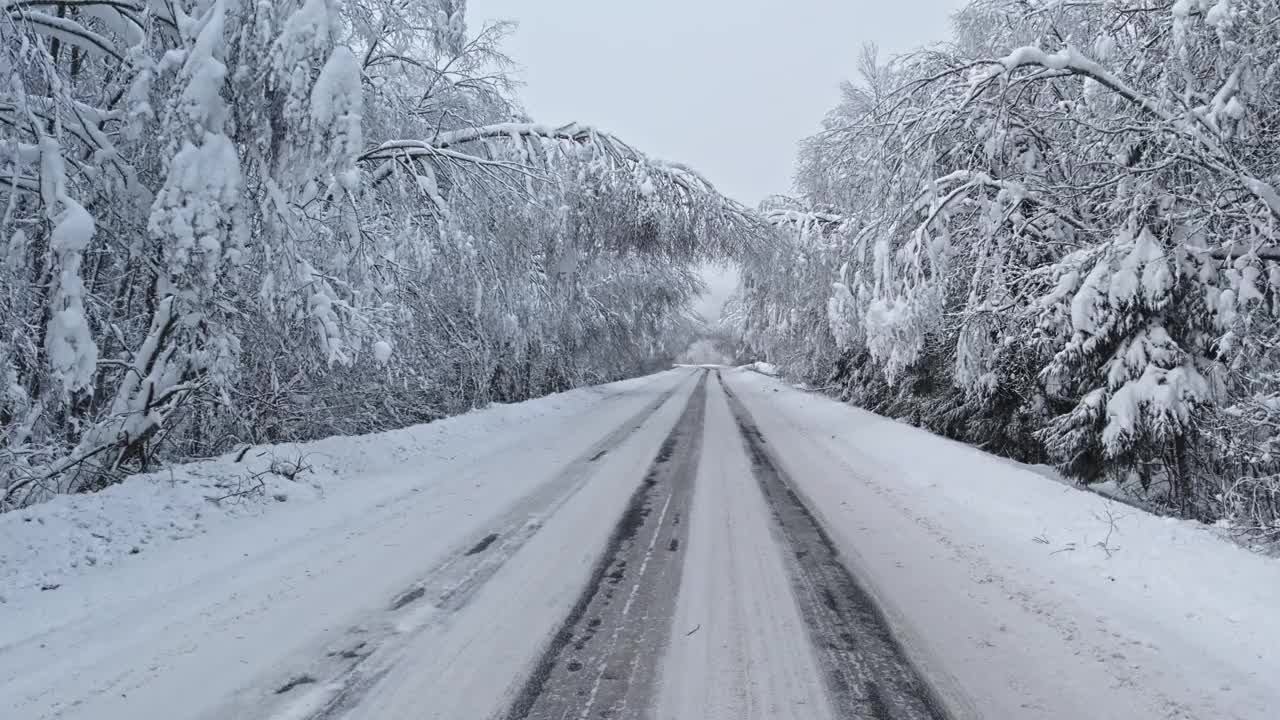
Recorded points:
577,134
624,158
572,132
1193,127
781,217
68,31
1270,254
401,148
805,222
131,11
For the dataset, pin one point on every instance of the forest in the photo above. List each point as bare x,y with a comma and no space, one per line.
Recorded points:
225,223
1054,237
230,222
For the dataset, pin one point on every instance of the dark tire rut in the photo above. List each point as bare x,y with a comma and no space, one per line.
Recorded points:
602,663
452,583
867,674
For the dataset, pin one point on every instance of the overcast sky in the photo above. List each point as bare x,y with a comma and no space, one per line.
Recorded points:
727,86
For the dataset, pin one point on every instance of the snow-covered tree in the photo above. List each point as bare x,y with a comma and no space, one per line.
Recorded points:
229,221
1059,239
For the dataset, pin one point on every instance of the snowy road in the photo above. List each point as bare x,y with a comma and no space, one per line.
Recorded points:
675,547
768,623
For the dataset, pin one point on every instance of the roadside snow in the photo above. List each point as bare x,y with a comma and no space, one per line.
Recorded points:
1019,597
49,545
763,368
266,591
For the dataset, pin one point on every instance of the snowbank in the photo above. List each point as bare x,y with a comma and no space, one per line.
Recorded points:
43,546
763,368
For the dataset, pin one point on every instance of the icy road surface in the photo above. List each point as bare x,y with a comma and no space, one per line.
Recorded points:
698,544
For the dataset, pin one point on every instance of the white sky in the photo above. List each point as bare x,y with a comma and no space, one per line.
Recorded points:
726,86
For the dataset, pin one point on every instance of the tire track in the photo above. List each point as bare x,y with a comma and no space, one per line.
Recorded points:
602,660
867,674
338,680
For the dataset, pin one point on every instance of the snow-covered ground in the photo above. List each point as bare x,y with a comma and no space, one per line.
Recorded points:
425,573
221,607
76,536
1019,597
